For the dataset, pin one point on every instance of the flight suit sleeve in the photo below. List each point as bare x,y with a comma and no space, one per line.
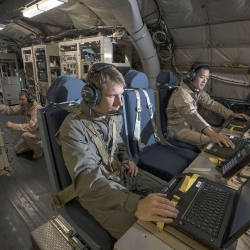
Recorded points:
183,102
11,110
84,166
207,102
30,126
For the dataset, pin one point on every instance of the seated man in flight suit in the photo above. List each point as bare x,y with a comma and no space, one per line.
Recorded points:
184,122
30,132
113,190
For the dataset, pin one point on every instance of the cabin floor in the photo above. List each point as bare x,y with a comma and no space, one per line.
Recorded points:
25,201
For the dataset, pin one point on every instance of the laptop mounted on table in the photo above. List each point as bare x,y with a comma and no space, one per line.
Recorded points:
238,125
211,213
236,163
226,152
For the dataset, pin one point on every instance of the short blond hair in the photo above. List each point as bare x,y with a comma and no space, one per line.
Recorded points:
104,77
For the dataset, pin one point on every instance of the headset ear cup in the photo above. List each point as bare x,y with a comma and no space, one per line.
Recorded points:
91,95
30,98
191,75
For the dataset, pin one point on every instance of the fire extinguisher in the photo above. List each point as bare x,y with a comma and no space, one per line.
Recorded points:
8,98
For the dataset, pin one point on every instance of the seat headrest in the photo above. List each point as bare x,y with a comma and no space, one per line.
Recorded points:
165,77
65,88
123,69
136,79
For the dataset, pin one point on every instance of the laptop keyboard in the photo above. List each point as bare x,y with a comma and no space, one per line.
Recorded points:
239,143
208,210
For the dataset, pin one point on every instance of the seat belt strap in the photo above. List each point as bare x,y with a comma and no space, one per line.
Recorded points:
171,132
94,134
107,160
114,120
137,130
187,183
64,196
151,114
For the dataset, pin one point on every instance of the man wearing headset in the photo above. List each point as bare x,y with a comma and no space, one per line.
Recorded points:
30,132
118,193
184,122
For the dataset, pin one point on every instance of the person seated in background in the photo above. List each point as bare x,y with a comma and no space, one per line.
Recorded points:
30,132
184,122
108,184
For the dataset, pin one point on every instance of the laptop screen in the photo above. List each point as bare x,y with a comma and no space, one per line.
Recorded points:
241,219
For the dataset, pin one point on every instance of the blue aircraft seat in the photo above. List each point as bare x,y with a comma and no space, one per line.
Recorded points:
50,120
165,81
65,88
163,161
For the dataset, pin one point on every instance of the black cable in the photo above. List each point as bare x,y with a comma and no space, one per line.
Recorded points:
149,14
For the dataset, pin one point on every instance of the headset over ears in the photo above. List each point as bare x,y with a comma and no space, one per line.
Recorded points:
191,74
90,93
30,97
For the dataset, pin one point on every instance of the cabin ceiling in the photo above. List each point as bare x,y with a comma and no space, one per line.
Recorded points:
215,31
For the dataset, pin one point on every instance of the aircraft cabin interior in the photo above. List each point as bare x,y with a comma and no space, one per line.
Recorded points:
125,124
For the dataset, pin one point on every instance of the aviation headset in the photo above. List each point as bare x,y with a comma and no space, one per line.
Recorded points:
90,93
30,97
191,74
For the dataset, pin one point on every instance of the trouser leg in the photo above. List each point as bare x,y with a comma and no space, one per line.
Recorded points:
21,147
143,184
192,137
119,223
34,142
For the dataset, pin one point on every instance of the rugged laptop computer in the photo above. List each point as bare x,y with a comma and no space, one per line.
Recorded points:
239,125
226,152
211,213
233,165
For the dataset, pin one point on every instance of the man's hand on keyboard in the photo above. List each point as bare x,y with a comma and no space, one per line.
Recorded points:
240,116
220,139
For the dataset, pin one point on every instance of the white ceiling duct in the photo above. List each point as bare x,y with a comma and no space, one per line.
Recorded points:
128,14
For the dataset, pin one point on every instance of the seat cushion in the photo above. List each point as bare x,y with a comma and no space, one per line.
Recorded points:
165,161
180,144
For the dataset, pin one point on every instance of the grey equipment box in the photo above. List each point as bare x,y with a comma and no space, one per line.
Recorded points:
56,234
4,159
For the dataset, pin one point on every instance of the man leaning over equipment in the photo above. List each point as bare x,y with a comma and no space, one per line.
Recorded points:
184,122
108,184
30,132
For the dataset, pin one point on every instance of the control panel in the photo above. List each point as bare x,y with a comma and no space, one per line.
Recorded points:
78,56
68,52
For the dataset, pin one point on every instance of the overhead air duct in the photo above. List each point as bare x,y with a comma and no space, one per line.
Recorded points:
128,14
